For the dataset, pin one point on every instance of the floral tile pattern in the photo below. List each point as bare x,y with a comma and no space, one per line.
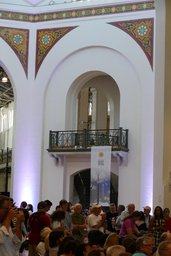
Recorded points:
78,12
18,40
142,32
46,39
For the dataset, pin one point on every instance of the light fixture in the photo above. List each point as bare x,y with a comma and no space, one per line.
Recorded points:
4,78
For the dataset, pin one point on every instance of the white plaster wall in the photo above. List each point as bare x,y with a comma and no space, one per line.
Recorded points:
134,79
118,56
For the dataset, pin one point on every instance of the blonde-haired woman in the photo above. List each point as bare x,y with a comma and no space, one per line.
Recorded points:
112,239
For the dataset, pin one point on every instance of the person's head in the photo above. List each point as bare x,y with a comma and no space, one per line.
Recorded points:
145,244
23,204
57,207
11,201
45,232
158,213
4,207
96,208
78,209
58,215
63,244
103,239
69,207
95,238
147,210
127,241
131,208
30,207
112,239
165,237
134,215
48,205
125,254
120,208
82,249
112,208
55,238
63,204
115,250
96,252
166,213
41,207
164,248
70,248
142,216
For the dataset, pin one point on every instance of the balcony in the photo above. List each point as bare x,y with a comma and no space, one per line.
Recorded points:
83,140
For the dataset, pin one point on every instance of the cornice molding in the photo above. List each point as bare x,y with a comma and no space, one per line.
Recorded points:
76,13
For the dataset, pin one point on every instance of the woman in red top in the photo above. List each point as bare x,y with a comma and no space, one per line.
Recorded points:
167,219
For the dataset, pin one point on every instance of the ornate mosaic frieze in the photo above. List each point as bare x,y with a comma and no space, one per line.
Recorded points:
142,32
46,39
18,40
79,12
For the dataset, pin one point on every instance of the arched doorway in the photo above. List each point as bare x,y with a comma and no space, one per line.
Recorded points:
82,187
6,130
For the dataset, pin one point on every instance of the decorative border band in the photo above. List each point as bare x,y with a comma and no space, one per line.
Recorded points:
78,12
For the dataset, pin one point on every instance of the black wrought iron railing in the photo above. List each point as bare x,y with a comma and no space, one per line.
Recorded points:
85,139
5,156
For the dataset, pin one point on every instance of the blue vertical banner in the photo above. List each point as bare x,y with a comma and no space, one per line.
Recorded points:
100,175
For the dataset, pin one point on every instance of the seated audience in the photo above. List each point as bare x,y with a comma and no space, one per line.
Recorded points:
127,241
164,248
69,249
82,249
96,252
55,239
63,244
128,226
103,240
115,250
144,246
94,240
112,239
125,254
40,249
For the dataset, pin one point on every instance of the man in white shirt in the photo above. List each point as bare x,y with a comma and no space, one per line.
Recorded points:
9,242
96,220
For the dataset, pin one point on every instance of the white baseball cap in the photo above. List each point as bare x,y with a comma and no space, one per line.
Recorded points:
95,205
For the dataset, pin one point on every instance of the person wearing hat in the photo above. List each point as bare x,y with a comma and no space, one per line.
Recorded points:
167,219
147,210
96,220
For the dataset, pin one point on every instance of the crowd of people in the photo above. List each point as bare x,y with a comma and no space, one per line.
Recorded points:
72,231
